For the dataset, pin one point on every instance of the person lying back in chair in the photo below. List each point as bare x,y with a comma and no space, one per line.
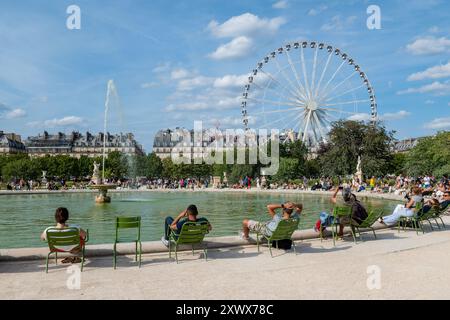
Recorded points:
188,215
289,210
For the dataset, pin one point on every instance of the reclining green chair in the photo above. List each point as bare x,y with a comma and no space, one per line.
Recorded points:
192,233
69,237
339,213
368,222
128,223
416,220
284,231
438,213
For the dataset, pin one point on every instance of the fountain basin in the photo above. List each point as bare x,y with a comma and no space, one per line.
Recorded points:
102,196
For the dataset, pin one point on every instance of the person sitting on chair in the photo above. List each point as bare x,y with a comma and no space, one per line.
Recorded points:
406,210
188,215
359,213
290,210
61,217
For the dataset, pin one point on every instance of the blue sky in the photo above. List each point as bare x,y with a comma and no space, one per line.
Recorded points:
174,62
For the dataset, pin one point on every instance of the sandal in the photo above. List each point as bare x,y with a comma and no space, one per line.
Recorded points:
67,260
76,260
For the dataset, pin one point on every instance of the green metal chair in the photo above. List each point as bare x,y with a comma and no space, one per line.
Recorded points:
416,220
128,223
284,231
433,213
368,222
69,237
191,233
338,214
438,213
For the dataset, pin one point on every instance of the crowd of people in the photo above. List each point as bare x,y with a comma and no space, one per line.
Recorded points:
398,185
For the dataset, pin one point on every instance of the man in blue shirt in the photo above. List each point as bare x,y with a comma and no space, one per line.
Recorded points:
188,215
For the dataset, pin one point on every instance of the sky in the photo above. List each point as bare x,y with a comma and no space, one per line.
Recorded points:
174,62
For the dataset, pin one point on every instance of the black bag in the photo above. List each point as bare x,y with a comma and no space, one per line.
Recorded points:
285,244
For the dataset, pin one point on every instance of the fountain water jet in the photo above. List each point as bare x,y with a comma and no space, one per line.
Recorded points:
102,187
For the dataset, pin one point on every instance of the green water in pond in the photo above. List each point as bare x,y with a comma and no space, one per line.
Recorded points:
24,217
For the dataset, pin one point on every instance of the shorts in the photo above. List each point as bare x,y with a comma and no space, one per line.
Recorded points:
258,227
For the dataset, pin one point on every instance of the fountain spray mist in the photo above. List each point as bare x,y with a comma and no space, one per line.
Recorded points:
110,90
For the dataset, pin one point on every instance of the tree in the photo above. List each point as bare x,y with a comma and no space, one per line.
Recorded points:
397,165
350,139
288,170
118,165
431,155
154,166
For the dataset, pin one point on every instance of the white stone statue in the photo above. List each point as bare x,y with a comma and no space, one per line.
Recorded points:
44,178
96,173
358,173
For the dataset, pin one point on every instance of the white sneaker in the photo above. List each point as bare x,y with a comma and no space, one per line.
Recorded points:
164,241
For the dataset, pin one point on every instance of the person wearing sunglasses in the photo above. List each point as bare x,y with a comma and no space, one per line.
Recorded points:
445,200
288,210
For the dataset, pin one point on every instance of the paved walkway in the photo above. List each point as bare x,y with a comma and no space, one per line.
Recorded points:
410,267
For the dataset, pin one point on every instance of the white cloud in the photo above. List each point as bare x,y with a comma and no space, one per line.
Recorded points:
429,102
316,11
395,116
192,106
63,122
162,67
246,24
338,23
439,123
149,85
179,74
231,81
236,48
8,113
360,117
429,45
436,88
436,72
16,113
283,4
387,116
229,121
193,83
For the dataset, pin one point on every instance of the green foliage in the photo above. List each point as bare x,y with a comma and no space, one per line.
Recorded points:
397,165
154,166
431,155
350,139
288,170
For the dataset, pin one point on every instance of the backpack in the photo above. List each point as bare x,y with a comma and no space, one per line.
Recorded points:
285,244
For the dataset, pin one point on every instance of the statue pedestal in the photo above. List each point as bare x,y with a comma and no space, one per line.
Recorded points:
102,196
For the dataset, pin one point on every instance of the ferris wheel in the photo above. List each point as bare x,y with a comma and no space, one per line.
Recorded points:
303,87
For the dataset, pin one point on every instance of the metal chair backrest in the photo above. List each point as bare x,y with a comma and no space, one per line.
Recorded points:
57,238
285,229
193,232
128,223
